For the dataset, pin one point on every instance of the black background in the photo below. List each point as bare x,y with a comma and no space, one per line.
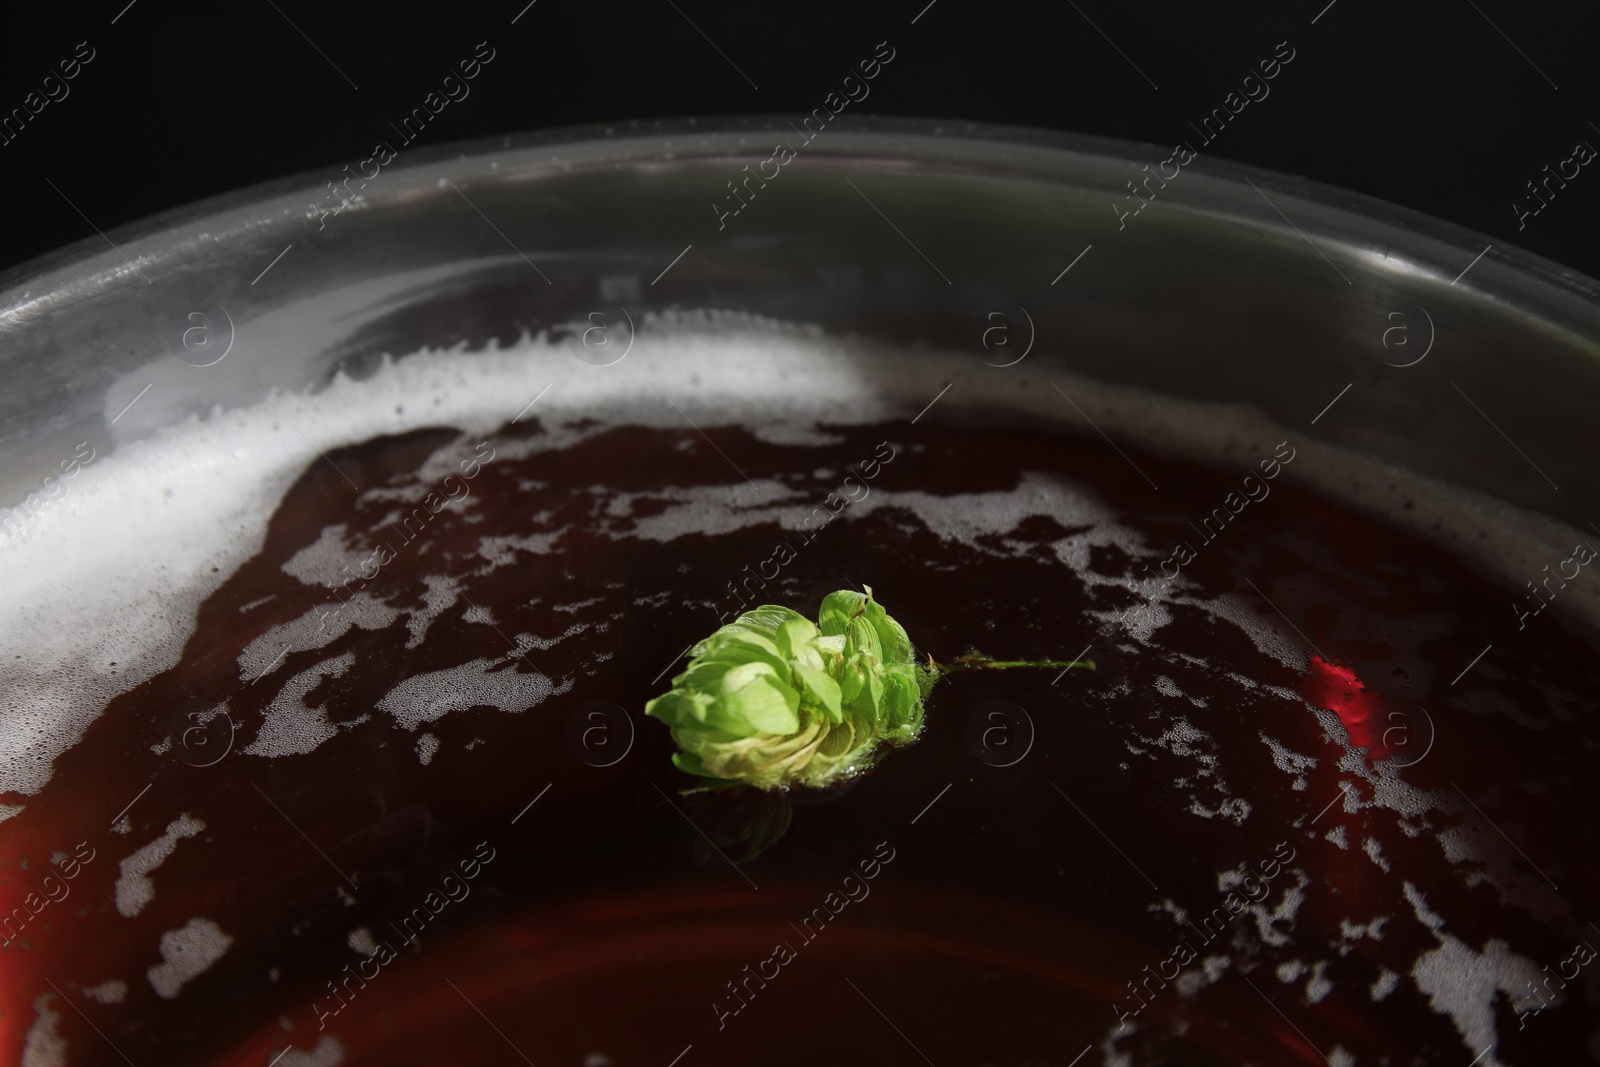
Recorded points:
1428,104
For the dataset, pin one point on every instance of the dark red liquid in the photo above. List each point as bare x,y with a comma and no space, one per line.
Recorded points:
1021,913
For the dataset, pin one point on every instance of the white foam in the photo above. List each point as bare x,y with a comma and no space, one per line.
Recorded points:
1318,985
495,683
111,991
1489,857
326,561
1465,984
1419,905
1289,761
44,1047
1268,921
292,726
362,941
1355,931
186,953
440,596
328,1052
1386,982
318,627
134,887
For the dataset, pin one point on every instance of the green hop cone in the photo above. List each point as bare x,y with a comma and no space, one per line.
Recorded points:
773,700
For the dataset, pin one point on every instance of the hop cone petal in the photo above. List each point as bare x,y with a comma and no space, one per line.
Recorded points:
773,700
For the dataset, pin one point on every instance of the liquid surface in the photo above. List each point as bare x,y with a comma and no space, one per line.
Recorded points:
395,800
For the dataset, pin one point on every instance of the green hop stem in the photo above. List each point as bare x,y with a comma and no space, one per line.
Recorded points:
971,661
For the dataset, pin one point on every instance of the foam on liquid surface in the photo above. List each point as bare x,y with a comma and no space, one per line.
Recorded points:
106,583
